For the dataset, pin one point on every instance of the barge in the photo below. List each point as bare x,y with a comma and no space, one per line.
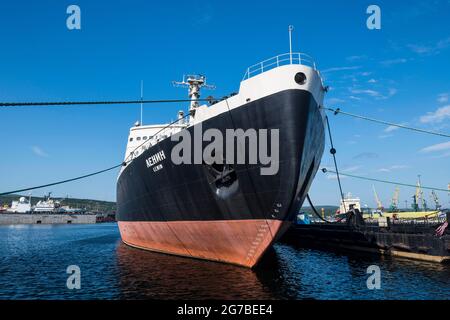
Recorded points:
420,239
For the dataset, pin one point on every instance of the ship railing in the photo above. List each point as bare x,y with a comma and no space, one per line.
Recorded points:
160,135
278,61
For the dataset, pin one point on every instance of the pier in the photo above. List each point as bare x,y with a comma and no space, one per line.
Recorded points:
50,218
419,239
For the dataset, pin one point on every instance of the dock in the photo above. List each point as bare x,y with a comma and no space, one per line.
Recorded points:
414,239
46,218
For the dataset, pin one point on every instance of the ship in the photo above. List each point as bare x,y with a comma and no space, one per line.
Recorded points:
213,208
46,205
45,211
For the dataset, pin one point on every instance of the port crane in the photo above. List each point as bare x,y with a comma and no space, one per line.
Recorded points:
419,198
394,200
377,199
416,197
419,194
435,198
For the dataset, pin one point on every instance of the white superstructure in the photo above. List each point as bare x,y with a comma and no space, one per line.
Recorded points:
21,206
349,202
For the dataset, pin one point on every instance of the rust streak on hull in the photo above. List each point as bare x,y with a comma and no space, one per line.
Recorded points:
239,242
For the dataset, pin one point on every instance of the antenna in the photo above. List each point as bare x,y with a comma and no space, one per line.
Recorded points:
142,97
194,83
290,28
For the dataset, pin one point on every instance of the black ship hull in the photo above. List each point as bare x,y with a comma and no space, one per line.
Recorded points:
227,213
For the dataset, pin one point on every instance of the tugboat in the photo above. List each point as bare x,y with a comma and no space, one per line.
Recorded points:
216,207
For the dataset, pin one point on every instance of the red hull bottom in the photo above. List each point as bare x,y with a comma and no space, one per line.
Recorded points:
240,242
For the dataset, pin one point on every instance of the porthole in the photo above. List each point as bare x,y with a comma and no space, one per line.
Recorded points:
300,78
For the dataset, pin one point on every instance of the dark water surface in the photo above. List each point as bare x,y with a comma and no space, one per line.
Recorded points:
34,258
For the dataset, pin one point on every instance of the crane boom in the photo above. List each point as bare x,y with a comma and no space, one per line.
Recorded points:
377,199
394,201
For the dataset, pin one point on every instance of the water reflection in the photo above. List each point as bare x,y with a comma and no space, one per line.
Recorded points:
149,275
33,262
286,272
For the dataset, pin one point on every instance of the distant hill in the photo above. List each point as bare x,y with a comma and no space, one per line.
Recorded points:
107,207
328,210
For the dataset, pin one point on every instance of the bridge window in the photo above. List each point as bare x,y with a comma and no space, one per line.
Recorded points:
144,137
138,138
131,139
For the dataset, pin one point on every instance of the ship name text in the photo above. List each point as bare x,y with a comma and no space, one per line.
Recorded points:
154,159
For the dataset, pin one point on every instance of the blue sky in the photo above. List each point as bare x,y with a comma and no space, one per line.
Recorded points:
400,73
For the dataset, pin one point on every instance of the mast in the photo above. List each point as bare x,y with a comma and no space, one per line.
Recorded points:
194,83
290,28
142,98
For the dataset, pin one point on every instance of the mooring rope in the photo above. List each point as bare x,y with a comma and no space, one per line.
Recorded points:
333,152
314,209
63,181
71,103
339,111
325,170
124,163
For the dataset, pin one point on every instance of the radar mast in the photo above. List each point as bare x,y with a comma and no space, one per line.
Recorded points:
194,83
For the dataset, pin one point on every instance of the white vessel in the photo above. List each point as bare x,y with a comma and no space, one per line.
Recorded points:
47,205
23,205
349,202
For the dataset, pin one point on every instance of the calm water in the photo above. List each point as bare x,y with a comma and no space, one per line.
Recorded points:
33,262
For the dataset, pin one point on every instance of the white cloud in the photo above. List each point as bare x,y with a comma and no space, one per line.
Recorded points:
399,166
437,116
351,169
392,168
391,62
436,147
334,177
372,81
39,152
391,128
354,58
335,100
340,69
442,98
204,14
444,155
373,93
366,155
369,92
430,49
392,91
